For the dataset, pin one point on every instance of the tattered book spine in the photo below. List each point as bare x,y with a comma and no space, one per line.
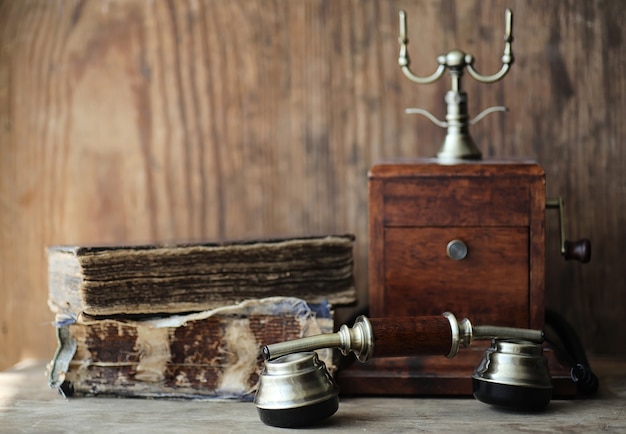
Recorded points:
211,354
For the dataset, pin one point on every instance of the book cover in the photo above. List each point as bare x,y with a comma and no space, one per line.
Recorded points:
209,355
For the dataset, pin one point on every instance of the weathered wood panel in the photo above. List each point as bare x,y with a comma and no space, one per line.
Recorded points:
30,406
137,121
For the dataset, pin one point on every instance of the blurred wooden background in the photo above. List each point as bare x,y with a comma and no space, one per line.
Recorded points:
132,121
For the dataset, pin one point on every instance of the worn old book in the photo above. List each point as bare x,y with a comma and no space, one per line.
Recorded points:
206,355
118,280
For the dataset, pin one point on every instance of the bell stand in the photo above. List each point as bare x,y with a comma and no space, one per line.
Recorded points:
458,143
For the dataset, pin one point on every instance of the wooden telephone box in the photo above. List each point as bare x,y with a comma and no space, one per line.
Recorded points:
468,238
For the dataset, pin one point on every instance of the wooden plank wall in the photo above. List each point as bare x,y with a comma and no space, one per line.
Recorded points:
153,120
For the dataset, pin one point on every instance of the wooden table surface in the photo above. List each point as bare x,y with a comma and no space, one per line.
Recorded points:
28,405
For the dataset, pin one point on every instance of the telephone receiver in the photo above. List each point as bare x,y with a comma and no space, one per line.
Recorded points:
295,388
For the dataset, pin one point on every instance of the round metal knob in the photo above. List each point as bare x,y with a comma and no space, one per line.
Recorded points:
456,250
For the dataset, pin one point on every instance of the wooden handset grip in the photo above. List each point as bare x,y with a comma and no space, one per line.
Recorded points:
424,335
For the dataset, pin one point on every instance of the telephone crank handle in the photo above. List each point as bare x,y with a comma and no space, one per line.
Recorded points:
401,337
579,250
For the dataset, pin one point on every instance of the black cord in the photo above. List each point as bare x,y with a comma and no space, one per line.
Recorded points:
569,346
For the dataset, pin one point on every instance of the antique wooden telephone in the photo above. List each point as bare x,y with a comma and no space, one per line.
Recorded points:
451,234
456,233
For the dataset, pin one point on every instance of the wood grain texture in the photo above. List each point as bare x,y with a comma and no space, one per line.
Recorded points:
498,213
489,286
31,406
462,201
146,121
409,336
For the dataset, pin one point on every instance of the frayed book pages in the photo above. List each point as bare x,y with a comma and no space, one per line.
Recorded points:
214,354
182,278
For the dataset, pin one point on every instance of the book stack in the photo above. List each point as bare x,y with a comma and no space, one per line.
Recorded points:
189,321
